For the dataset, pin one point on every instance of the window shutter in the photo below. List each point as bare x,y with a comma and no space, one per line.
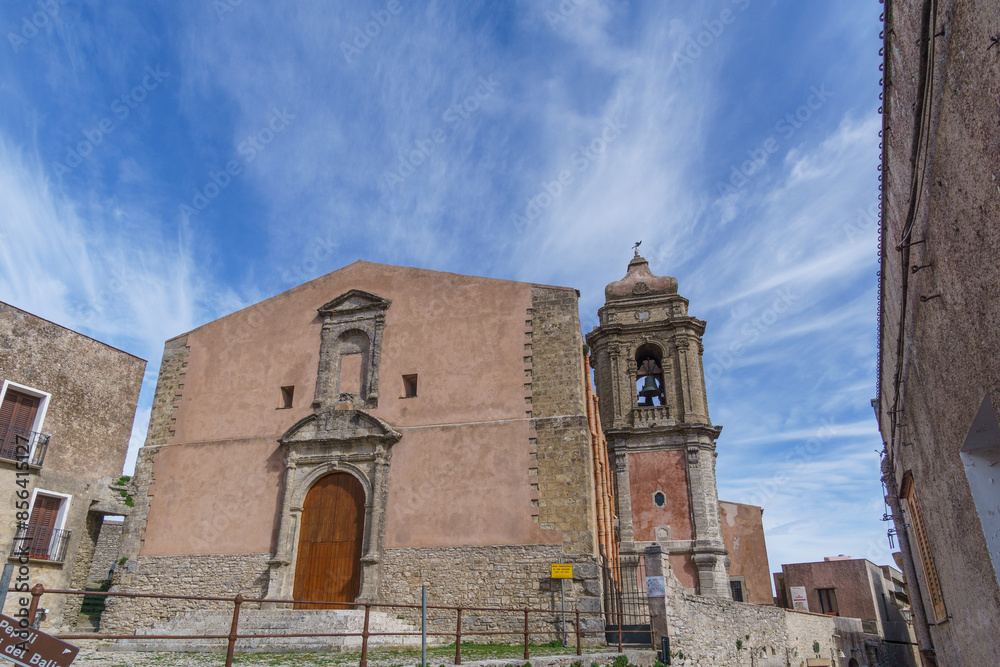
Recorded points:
18,410
7,409
45,511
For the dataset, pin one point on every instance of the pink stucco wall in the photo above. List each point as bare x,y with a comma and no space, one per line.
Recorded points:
454,477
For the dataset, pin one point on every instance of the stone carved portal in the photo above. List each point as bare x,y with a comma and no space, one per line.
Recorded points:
345,441
339,437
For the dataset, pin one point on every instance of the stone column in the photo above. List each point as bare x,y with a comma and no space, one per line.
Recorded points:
285,548
614,351
623,495
370,560
710,552
657,580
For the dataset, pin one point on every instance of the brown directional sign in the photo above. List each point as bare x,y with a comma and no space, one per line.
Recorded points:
36,650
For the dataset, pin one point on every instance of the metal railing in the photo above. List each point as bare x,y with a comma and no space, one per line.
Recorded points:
18,444
526,613
41,543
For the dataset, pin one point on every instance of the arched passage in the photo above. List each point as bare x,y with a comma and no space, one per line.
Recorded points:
328,566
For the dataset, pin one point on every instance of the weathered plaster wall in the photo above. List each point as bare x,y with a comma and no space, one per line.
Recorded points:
951,355
220,497
743,535
94,390
664,471
463,485
465,339
495,448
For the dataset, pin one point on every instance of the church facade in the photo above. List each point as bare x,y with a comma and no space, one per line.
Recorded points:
383,427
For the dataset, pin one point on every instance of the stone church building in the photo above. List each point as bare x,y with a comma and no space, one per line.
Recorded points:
381,427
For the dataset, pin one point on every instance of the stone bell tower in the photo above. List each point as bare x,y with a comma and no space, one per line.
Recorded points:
647,358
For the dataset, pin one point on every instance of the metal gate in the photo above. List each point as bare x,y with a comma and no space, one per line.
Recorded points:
626,607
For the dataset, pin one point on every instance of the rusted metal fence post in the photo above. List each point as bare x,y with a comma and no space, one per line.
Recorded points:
237,601
620,627
579,649
36,597
364,638
458,638
526,653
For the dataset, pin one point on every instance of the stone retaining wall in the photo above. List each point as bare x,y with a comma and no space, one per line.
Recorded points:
209,575
106,552
494,576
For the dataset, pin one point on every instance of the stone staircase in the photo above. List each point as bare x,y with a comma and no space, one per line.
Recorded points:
275,621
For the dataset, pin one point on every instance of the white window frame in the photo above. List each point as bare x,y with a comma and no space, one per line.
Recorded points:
43,406
63,509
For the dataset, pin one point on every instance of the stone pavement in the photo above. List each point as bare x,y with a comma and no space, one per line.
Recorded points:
95,653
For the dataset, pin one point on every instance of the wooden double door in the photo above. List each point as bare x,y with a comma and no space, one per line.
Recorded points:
328,566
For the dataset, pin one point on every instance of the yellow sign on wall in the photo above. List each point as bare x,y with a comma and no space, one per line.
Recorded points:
562,570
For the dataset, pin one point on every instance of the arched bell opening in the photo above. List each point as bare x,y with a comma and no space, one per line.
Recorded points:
649,376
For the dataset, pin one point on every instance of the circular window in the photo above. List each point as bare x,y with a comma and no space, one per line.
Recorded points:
660,498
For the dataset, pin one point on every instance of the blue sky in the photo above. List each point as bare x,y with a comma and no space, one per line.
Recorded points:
165,163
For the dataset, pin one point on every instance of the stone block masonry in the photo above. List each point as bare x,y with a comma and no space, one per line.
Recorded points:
106,552
495,576
168,390
222,575
565,478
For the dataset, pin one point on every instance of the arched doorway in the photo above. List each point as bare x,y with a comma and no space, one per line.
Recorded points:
328,566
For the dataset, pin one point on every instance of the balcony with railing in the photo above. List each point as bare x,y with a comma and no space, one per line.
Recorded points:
41,543
18,444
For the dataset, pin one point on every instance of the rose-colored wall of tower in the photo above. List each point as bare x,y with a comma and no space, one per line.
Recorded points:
464,338
665,471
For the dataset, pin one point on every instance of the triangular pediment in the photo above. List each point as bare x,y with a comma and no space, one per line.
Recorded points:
353,302
339,425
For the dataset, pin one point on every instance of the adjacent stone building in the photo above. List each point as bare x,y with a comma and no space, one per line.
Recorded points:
939,317
855,588
67,403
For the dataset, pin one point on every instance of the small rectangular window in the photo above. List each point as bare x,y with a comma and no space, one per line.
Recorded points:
287,393
828,601
737,588
409,386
